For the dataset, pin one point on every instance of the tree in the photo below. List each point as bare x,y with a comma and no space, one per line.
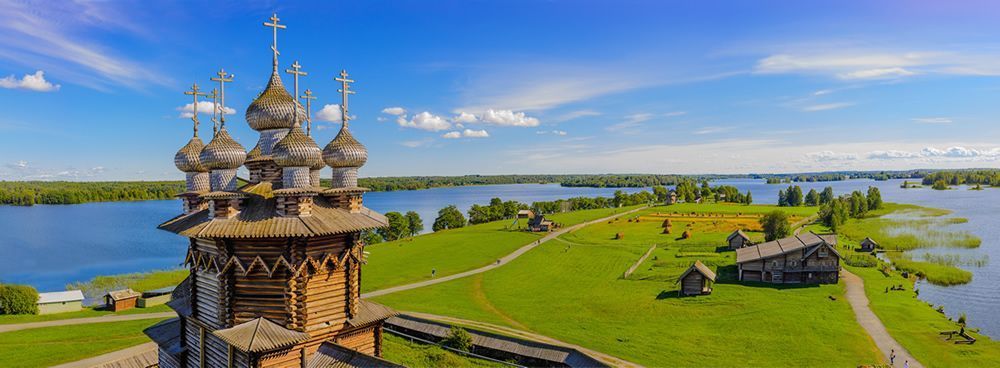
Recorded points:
874,199
372,237
793,196
858,204
448,218
416,224
18,299
775,225
458,338
620,197
398,227
748,200
812,198
782,198
940,184
834,214
826,196
661,193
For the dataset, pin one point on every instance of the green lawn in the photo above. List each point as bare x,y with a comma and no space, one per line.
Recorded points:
42,347
399,350
916,325
457,250
86,312
572,290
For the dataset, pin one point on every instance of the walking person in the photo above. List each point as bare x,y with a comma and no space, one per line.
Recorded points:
906,364
434,271
892,356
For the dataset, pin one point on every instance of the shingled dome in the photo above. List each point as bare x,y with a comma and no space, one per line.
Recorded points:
345,151
297,150
187,158
274,107
223,152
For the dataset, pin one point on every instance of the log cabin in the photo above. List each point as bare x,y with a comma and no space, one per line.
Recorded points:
868,245
120,300
696,280
807,258
275,264
738,239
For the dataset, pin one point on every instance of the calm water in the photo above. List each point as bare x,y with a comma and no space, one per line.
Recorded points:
50,246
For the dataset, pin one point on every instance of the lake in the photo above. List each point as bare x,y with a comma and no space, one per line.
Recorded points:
49,246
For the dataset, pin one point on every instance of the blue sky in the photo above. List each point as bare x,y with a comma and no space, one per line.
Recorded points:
93,90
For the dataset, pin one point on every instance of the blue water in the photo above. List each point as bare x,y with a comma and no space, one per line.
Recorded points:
51,246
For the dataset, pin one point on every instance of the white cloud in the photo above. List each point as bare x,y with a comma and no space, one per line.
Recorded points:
34,82
937,120
876,73
559,132
875,62
330,113
675,113
954,153
465,117
574,115
394,111
828,106
424,121
824,156
452,135
891,154
508,118
469,133
204,107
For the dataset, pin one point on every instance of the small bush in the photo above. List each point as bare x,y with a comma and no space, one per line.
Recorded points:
861,260
18,299
458,338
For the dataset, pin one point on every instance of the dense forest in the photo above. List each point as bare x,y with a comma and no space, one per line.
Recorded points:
989,177
28,193
841,175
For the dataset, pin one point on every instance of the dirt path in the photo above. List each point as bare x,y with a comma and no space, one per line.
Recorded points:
80,321
870,322
503,261
639,262
611,360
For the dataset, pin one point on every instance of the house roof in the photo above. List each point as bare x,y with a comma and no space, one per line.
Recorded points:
332,355
738,233
60,296
700,268
260,335
259,218
181,305
166,334
869,240
786,245
123,294
369,312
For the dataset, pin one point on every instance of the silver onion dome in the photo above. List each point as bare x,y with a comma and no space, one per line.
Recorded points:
297,150
187,158
274,107
345,151
223,152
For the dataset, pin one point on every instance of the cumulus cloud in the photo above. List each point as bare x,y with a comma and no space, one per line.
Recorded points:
452,135
464,117
468,133
891,155
826,156
938,120
950,153
508,118
204,107
33,82
424,121
397,111
330,113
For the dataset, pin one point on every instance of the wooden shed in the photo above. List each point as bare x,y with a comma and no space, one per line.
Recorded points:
525,214
738,239
60,301
119,300
697,280
868,245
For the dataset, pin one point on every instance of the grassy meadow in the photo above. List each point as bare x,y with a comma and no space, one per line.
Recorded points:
413,354
573,290
43,347
85,313
455,250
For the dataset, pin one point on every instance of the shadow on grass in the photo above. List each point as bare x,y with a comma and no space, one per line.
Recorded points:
668,294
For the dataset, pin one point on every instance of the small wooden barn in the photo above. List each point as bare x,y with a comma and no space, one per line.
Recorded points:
868,245
738,239
540,224
119,300
525,214
697,280
60,301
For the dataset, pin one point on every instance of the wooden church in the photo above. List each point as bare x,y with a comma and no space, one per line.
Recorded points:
275,263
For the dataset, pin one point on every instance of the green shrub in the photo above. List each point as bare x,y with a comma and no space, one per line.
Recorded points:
18,299
861,260
459,339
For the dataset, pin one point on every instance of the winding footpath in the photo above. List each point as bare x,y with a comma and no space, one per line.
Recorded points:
872,325
503,261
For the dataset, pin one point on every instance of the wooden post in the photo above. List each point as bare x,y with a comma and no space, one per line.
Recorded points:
201,346
229,356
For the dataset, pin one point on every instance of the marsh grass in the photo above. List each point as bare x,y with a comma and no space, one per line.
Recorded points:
955,259
906,227
938,274
139,281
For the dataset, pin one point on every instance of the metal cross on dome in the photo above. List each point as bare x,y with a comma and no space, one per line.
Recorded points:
309,121
344,91
194,106
274,27
222,79
214,95
296,72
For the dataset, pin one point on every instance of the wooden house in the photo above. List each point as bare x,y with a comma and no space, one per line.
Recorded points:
275,263
738,239
525,214
868,245
696,280
119,300
805,258
60,302
672,197
540,224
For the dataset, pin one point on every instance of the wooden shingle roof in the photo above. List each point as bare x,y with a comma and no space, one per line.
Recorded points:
369,312
869,241
700,268
166,334
122,294
738,233
259,218
260,335
331,355
786,245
